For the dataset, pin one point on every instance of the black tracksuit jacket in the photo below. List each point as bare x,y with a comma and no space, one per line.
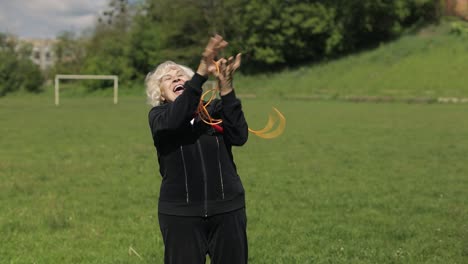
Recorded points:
199,177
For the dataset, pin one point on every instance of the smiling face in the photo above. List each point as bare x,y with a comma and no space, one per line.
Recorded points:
172,84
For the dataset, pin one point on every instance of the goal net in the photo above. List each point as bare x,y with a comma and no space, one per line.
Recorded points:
59,77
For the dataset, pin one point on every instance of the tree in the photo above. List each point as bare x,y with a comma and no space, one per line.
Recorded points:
17,72
108,45
145,44
130,40
178,29
279,33
70,53
368,22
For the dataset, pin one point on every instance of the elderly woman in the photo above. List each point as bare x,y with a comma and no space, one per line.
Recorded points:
201,201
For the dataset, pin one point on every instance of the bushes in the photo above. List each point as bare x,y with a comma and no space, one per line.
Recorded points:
129,40
17,71
283,33
276,33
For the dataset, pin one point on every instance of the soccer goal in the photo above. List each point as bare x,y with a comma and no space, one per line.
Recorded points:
59,77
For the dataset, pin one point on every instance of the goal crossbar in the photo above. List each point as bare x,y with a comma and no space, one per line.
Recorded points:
59,77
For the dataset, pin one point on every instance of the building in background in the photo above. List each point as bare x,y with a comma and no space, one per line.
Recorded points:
457,8
42,52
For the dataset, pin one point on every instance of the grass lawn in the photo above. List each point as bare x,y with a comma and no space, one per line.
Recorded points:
346,183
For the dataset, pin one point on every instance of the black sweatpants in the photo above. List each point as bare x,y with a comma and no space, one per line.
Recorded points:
187,239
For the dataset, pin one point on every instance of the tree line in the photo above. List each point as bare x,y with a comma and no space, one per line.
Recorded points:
17,71
131,37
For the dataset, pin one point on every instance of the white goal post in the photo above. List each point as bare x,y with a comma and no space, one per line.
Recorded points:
58,77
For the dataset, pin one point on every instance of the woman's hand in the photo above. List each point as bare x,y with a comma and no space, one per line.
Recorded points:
207,63
226,73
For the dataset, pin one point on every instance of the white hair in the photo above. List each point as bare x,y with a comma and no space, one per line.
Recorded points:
153,80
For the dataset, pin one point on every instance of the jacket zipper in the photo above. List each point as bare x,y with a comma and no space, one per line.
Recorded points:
220,171
185,173
205,177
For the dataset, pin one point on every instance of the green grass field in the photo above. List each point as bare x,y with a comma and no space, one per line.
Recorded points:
345,183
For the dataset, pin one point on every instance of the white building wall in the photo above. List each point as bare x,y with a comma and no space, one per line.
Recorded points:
42,52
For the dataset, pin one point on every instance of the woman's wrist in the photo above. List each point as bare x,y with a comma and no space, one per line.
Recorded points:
225,91
202,69
225,87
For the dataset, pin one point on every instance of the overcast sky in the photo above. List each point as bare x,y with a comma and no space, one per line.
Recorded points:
47,18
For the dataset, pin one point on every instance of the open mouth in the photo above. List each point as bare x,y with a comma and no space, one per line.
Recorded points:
178,88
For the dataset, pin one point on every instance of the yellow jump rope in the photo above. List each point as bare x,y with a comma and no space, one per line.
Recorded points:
268,132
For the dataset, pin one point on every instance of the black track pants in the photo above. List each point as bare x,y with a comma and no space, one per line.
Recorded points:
187,239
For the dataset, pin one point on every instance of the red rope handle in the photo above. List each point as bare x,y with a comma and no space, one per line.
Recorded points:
202,110
266,132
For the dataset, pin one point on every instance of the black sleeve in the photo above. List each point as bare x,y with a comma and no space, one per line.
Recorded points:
174,115
234,123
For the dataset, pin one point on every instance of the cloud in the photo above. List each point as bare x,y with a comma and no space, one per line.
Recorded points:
47,18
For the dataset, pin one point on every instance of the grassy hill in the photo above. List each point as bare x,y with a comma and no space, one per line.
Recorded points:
431,62
427,64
